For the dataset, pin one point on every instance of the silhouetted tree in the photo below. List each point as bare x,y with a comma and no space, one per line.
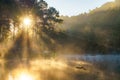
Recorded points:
48,16
8,13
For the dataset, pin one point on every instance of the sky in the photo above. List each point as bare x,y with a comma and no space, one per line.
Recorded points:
75,7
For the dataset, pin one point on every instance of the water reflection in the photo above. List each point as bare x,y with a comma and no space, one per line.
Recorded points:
55,69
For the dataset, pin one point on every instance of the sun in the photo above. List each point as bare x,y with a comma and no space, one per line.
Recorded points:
27,21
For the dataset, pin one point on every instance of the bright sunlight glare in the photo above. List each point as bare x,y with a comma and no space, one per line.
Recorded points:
27,21
21,76
25,76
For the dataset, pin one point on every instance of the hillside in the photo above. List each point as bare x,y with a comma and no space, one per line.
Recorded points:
96,31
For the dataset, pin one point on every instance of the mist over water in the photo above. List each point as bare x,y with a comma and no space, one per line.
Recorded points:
24,57
29,57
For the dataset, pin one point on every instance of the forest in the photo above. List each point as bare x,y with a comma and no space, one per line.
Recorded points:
96,31
38,43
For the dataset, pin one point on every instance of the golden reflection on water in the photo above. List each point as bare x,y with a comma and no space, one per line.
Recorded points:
22,74
48,64
36,69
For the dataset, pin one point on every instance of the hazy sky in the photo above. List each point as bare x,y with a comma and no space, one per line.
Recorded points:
75,7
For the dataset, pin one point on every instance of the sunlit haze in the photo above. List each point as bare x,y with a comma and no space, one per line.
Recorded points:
75,7
27,21
59,39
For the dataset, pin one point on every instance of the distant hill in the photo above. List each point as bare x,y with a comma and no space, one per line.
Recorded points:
96,31
106,6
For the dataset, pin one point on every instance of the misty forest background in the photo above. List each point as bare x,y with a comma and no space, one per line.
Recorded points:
95,32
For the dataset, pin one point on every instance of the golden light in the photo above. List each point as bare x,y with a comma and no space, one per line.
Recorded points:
21,76
27,21
25,76
48,64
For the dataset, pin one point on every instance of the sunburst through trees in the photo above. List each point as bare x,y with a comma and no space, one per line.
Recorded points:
24,24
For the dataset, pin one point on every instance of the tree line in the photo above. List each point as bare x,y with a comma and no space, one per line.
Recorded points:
10,11
95,32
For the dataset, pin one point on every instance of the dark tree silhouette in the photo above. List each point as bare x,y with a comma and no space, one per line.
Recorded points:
8,13
48,16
